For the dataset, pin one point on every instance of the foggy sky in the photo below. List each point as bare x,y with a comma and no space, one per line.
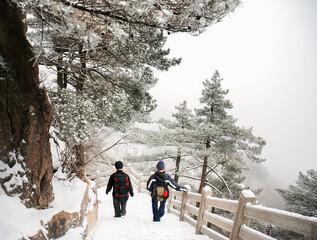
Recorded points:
266,53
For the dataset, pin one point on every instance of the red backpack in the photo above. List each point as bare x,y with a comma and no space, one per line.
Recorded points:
121,186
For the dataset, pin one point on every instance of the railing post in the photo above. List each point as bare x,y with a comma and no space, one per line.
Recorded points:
202,208
314,231
246,196
97,179
183,205
169,201
139,182
129,168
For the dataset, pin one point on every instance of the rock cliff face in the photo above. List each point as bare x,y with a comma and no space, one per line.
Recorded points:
25,115
61,222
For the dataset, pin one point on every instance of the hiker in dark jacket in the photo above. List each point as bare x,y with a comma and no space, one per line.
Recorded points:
121,184
158,186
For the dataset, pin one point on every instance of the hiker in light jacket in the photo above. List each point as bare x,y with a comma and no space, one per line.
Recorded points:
121,184
162,180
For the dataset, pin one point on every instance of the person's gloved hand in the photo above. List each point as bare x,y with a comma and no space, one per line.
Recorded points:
131,194
186,188
107,192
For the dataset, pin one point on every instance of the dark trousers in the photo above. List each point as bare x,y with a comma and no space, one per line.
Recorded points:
119,207
158,211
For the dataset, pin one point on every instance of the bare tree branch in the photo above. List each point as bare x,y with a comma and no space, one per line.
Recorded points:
116,143
194,167
111,14
190,177
219,176
207,183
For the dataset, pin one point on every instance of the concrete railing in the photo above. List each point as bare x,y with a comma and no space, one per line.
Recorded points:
195,208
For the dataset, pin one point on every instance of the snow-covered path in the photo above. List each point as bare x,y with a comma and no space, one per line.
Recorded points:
138,224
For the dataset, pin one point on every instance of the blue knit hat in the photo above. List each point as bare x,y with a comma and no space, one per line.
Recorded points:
160,165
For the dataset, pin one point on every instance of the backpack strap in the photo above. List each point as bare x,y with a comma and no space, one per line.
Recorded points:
115,186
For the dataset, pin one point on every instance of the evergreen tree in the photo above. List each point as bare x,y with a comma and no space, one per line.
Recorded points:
302,197
168,141
210,141
95,46
182,125
106,51
223,145
178,133
104,55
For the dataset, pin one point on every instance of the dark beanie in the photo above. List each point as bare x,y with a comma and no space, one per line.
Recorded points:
160,165
118,165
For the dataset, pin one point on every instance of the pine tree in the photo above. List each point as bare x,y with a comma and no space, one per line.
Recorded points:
302,197
183,125
107,52
223,145
96,46
167,143
177,133
210,141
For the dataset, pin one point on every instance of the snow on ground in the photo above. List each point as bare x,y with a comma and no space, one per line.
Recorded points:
17,221
138,224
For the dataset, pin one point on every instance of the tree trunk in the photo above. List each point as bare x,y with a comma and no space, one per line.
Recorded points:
61,78
178,162
25,115
83,70
61,75
204,170
80,161
203,175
